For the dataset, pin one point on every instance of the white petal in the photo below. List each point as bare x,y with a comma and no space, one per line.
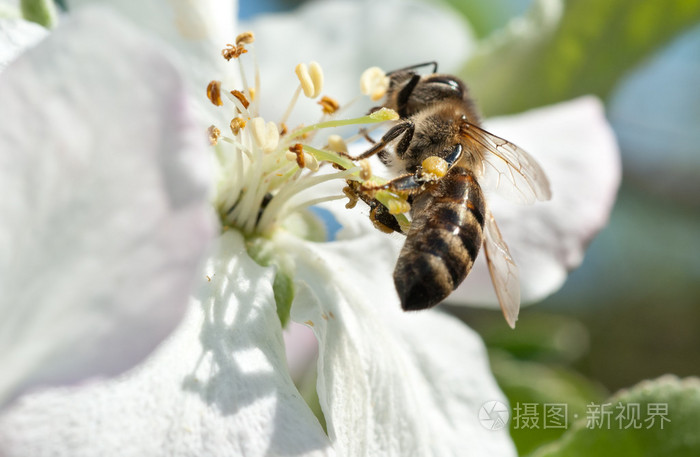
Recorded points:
219,386
103,197
577,149
301,349
390,383
197,29
346,37
16,35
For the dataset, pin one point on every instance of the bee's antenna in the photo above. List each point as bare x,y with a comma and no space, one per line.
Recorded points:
413,67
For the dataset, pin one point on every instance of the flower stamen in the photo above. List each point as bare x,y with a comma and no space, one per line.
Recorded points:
266,170
214,93
245,38
336,143
374,82
237,123
241,98
231,51
329,105
214,135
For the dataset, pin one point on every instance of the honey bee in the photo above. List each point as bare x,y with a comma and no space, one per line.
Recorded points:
450,219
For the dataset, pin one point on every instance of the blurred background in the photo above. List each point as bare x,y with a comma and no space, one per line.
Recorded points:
632,310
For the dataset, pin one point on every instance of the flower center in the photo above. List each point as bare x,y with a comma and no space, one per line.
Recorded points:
265,168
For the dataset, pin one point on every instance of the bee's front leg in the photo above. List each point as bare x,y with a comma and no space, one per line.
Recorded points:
404,130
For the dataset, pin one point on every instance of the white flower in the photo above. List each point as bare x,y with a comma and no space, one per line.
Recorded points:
389,383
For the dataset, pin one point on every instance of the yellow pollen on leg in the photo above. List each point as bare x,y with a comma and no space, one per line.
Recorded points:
396,206
435,166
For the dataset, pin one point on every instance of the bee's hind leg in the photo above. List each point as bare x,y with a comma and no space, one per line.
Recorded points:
408,184
379,214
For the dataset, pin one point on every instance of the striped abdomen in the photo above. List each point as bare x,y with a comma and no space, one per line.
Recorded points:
443,241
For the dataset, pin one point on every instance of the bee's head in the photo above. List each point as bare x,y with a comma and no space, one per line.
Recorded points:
440,87
409,92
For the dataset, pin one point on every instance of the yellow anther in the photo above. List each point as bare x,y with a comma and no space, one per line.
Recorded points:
214,134
311,162
232,51
251,92
396,206
237,124
317,77
296,153
307,84
384,114
303,159
293,157
310,78
336,143
214,93
266,135
329,105
245,38
435,166
241,98
374,82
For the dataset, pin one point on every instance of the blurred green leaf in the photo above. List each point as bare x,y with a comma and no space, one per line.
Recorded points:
43,12
565,48
540,337
678,437
487,16
535,383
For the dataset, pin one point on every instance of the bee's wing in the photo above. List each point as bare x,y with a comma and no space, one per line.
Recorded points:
509,170
503,270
